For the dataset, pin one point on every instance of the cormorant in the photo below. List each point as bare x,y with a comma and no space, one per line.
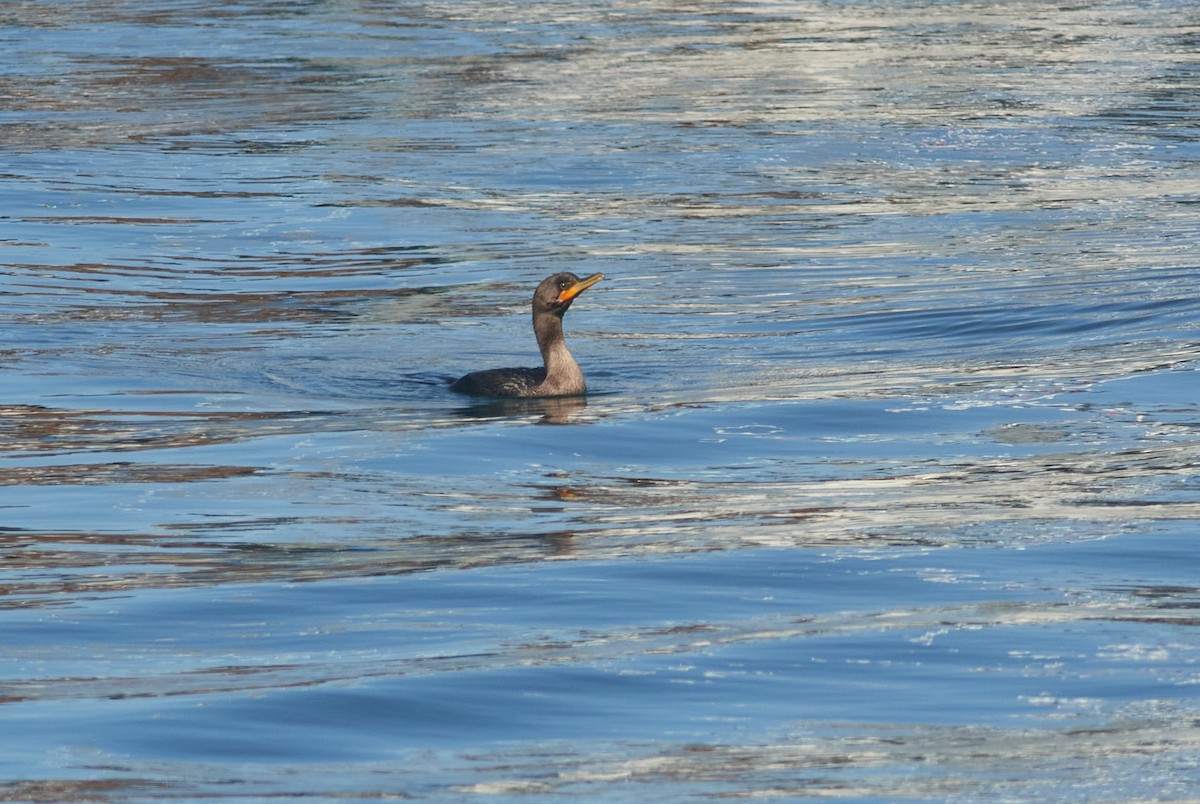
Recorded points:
560,374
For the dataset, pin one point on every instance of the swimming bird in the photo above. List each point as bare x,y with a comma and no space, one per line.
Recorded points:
560,375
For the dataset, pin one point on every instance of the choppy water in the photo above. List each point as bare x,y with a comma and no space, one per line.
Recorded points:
887,488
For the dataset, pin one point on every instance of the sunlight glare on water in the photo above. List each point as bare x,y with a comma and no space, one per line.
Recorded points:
885,487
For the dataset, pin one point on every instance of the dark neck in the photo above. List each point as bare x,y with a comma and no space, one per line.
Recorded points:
562,372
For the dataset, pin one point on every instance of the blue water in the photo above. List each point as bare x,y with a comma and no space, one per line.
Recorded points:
885,488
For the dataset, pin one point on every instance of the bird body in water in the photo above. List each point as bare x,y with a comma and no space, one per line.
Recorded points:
560,374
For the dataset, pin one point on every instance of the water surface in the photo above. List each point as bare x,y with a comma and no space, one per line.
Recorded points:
886,487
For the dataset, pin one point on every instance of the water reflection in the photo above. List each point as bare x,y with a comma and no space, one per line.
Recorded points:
548,410
37,430
845,762
429,517
114,473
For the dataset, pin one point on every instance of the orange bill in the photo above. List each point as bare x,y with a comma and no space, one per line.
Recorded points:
579,287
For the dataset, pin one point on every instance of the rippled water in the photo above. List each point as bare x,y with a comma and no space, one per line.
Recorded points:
886,489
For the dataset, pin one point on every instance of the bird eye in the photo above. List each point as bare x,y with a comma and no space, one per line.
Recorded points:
563,284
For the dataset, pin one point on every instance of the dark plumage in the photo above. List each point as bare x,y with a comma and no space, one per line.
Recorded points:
559,374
